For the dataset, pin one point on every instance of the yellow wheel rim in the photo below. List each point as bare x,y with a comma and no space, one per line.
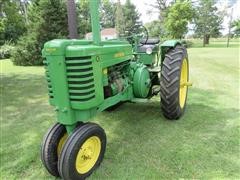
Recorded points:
88,154
183,83
61,143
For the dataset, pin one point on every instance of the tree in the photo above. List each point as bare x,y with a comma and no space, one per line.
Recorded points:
161,7
154,28
131,15
107,16
120,24
236,27
72,19
178,17
23,6
207,21
48,20
84,20
12,22
108,10
127,17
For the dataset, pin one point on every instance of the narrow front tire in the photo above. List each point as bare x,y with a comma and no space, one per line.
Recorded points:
83,152
51,147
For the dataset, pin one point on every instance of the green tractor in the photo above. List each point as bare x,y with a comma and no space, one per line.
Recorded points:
86,77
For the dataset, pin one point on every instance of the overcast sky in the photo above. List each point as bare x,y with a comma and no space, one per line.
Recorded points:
143,8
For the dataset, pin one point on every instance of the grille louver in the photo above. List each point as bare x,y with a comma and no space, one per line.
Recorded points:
50,91
80,78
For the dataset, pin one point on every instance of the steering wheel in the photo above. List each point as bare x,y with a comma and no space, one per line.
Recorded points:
139,30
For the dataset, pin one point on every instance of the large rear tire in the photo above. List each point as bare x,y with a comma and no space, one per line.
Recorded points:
173,82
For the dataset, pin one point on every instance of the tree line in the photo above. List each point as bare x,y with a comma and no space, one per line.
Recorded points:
28,24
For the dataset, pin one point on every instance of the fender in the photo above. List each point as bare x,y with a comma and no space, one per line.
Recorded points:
166,45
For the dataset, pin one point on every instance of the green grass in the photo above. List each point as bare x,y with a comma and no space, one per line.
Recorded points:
142,144
216,43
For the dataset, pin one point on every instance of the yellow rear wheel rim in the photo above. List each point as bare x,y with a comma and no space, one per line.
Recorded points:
183,83
88,154
61,143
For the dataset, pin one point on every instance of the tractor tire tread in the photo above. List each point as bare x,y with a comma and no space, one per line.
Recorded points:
169,82
49,148
66,160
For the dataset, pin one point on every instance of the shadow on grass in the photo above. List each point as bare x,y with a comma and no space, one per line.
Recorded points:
202,106
26,116
194,146
136,133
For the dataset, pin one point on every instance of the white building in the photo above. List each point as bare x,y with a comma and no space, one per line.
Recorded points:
106,34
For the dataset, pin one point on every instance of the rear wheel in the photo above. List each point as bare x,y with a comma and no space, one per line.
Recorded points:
174,82
51,147
83,152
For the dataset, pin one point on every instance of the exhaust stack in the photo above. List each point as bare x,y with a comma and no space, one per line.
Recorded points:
94,11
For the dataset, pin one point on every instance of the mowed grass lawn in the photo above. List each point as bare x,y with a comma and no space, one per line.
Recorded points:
142,144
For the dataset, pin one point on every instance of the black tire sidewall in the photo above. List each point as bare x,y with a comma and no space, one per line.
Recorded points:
169,91
49,145
71,148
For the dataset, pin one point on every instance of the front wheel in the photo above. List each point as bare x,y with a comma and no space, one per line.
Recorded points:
174,82
51,147
83,152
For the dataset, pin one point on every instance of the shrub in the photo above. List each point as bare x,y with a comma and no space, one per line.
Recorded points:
6,50
48,20
187,43
27,52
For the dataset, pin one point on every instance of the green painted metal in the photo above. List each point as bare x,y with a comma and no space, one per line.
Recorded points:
78,99
166,45
147,59
141,81
94,11
170,43
79,76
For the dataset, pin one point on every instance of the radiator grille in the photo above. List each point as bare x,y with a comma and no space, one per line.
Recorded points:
80,78
50,91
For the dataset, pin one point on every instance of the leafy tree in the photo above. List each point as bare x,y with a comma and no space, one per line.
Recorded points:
120,24
178,17
131,15
48,20
207,20
127,17
84,19
155,28
12,24
107,16
236,27
161,6
108,10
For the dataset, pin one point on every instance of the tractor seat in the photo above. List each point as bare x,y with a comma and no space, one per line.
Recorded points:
151,41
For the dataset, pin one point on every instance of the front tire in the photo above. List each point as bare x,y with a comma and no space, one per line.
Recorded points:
173,82
83,152
51,147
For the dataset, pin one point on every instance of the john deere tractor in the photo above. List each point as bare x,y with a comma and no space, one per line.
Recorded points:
86,77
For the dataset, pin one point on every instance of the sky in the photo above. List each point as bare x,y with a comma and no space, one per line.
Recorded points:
143,8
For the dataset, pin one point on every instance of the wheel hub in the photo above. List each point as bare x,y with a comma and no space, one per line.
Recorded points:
183,83
88,154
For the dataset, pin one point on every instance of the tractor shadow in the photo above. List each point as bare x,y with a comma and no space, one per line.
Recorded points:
141,127
130,129
201,107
